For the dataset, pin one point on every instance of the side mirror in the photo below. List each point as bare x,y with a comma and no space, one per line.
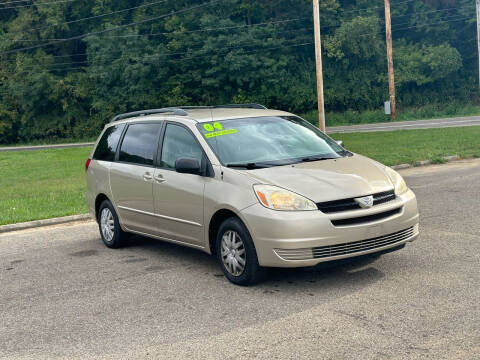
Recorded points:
188,166
340,142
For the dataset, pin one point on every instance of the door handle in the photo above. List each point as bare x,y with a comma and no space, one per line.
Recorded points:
159,179
147,176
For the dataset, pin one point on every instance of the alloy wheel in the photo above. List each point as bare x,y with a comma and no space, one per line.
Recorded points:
107,224
233,253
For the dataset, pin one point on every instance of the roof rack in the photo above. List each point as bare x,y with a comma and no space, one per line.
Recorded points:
174,110
181,111
229,106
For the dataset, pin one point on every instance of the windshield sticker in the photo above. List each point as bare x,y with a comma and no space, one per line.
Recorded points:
208,127
220,133
218,126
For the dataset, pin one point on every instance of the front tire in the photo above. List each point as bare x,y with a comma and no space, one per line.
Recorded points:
236,253
112,234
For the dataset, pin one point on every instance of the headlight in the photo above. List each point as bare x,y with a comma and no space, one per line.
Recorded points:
276,198
397,180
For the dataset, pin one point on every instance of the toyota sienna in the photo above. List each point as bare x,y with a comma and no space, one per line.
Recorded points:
254,187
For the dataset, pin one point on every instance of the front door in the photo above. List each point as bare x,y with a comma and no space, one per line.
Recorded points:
131,177
179,197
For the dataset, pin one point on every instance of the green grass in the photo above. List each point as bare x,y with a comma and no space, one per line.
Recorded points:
51,183
42,184
430,111
410,146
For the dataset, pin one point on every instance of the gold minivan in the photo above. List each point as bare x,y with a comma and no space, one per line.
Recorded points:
254,187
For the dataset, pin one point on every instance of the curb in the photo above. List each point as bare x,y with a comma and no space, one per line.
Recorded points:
45,222
445,159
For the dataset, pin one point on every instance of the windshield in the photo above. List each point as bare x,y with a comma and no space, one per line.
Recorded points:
268,141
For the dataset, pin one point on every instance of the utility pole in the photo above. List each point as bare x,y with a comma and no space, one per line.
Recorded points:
478,38
391,75
319,66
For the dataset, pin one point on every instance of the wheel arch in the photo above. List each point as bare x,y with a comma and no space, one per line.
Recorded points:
98,201
217,219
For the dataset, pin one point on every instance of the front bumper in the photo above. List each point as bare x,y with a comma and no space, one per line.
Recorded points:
306,238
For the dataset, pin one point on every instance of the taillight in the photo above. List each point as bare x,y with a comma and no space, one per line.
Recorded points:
87,164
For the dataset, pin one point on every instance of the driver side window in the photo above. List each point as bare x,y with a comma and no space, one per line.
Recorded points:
179,143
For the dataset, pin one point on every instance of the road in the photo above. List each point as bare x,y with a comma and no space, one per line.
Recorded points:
390,126
65,296
408,125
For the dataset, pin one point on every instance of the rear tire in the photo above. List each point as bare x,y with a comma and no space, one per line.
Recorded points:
110,230
236,253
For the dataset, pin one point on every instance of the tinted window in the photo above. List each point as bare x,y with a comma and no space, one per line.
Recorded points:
107,146
179,143
140,143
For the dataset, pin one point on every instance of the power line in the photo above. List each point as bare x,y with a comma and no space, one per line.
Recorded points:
201,30
37,4
78,37
446,17
116,12
91,17
376,7
268,23
193,55
418,26
437,10
180,32
13,2
184,32
290,31
212,29
414,13
435,23
136,51
237,46
47,67
445,20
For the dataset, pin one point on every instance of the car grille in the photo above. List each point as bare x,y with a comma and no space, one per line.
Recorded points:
347,248
350,204
366,219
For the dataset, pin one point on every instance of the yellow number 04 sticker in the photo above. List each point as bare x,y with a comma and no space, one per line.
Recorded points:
217,130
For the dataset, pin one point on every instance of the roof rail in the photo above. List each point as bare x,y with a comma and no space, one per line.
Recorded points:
229,106
175,111
243,106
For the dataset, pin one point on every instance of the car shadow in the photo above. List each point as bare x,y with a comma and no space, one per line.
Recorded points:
168,252
356,271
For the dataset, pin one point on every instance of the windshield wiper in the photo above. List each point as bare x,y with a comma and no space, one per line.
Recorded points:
316,158
248,166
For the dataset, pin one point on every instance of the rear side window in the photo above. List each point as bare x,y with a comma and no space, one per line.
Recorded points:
139,145
107,146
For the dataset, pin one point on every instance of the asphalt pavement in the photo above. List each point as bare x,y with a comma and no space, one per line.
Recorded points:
63,295
408,125
388,126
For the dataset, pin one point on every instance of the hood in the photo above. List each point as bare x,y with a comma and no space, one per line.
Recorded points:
328,180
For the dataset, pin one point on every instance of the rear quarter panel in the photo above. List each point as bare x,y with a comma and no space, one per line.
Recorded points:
98,182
